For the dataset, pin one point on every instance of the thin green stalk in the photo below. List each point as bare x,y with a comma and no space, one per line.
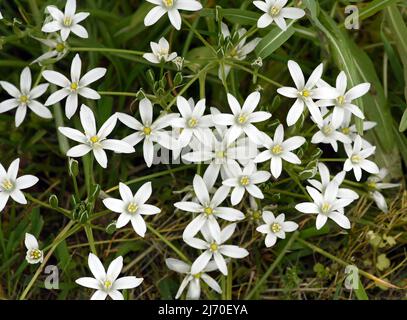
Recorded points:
273,266
107,50
117,93
46,205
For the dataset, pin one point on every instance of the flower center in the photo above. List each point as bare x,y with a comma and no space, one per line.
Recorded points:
107,284
132,207
208,211
197,275
356,158
60,47
274,11
35,254
242,118
346,130
168,3
67,21
23,99
326,207
147,131
275,227
220,154
74,86
371,185
7,185
244,181
213,247
94,139
256,215
327,129
192,123
340,100
305,93
277,149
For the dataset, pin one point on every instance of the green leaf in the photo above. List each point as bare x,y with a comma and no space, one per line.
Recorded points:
360,292
403,122
239,16
274,40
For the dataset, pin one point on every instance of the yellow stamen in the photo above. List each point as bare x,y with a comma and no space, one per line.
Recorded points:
107,284
147,131
345,131
371,185
192,123
198,275
208,211
220,154
132,207
74,85
327,129
60,47
305,93
326,207
277,149
168,3
355,158
242,118
244,181
213,247
35,254
68,21
275,227
274,11
23,99
7,185
256,215
94,139
341,100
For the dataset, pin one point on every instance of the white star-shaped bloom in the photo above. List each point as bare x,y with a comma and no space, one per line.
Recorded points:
34,254
160,52
275,227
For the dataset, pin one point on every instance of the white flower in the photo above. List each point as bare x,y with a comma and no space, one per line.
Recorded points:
326,179
326,205
305,93
149,130
107,283
357,159
242,118
275,11
193,280
11,186
208,209
132,207
72,88
34,254
93,140
1,16
66,21
160,52
193,122
275,227
24,98
329,133
350,130
215,249
170,7
57,49
238,51
278,150
246,180
375,185
343,101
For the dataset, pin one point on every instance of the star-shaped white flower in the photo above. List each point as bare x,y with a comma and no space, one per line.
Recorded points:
239,51
66,21
34,254
93,140
246,180
351,131
215,249
305,93
170,7
275,12
242,119
375,184
279,150
208,210
328,133
193,122
148,130
326,179
132,207
357,159
160,52
107,283
343,101
57,49
24,98
72,88
11,186
193,280
275,227
326,205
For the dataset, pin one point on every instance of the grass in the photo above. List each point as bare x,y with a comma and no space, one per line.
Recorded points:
311,263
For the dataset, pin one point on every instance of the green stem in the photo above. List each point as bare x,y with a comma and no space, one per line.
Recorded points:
117,93
273,266
46,205
107,50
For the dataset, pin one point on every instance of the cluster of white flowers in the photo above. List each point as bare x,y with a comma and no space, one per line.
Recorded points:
231,143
